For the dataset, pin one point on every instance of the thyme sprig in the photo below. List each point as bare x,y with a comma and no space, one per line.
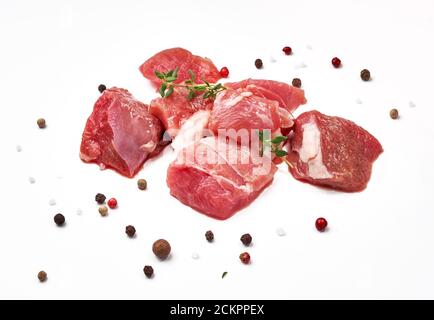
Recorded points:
209,90
275,146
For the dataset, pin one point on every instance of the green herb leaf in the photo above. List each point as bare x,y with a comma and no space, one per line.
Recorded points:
159,75
261,135
163,89
192,75
191,95
280,153
175,72
279,139
224,274
169,92
170,78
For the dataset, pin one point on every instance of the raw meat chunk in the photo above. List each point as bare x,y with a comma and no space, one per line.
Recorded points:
289,97
241,109
332,152
120,133
218,178
169,59
176,109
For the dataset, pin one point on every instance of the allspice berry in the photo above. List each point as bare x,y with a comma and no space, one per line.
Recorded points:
246,239
161,249
42,276
209,236
394,114
41,123
296,82
130,231
103,211
142,184
365,75
149,271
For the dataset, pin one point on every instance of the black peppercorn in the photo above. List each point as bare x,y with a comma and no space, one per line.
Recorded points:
149,271
130,231
59,219
365,75
100,198
209,235
101,88
296,82
246,239
258,63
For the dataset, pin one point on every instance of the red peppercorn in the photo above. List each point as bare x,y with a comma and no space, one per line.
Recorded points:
321,224
336,62
287,50
245,257
224,72
112,203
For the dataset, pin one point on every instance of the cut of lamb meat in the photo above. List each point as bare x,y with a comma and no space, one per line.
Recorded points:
218,178
120,133
243,110
332,152
169,59
289,97
177,108
192,130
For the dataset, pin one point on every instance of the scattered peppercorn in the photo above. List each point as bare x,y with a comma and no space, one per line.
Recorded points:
224,72
336,62
130,231
42,276
59,219
394,114
296,82
209,235
100,198
287,50
142,184
41,123
365,75
161,248
246,239
112,203
101,88
103,211
321,224
258,63
149,271
245,257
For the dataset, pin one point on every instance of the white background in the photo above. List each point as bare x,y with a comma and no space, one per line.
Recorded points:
54,54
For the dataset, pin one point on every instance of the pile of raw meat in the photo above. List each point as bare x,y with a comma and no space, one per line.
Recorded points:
217,175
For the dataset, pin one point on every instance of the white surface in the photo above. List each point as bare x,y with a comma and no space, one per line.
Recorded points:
53,56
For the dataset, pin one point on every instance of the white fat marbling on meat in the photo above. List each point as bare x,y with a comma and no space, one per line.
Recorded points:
191,130
311,153
149,146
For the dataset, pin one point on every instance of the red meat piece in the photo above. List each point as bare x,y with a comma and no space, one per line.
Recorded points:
289,97
177,108
332,152
169,59
120,133
218,178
